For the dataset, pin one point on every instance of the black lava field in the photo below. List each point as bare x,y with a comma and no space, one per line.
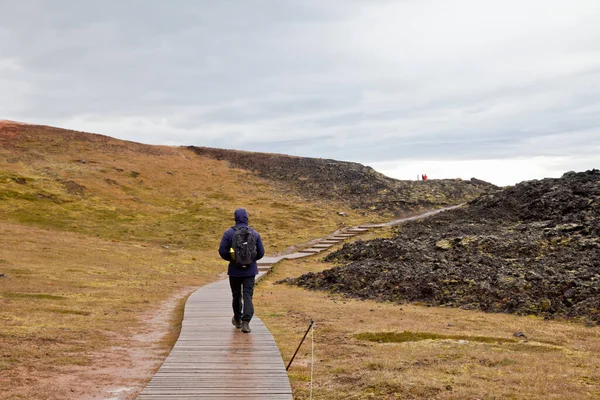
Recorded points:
532,248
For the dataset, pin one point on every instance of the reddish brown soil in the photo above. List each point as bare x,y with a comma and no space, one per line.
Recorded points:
120,373
124,372
7,129
4,122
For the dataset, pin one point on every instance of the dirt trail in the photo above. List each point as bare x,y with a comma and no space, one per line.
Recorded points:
415,217
121,372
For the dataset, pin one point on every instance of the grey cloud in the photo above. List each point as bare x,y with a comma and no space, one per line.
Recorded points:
356,80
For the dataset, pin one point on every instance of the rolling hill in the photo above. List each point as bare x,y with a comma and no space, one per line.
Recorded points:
102,239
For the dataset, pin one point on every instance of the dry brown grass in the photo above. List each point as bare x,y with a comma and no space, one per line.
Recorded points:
174,198
99,237
69,298
557,360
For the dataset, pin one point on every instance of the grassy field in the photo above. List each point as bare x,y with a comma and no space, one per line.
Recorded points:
376,350
102,240
69,300
112,189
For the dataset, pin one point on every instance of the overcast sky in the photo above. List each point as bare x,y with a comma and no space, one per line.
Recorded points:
503,90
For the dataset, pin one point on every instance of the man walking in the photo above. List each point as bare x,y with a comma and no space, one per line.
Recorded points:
241,246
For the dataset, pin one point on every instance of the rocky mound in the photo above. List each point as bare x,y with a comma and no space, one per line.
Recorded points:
354,184
529,249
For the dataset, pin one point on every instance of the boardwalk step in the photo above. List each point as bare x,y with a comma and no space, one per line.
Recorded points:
322,245
311,250
269,260
357,230
296,255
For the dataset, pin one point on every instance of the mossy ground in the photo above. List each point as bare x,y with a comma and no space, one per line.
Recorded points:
408,336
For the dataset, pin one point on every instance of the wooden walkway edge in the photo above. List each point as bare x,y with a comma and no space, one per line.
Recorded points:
213,360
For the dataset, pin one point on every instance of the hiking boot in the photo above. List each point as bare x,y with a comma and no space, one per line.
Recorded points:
246,327
236,322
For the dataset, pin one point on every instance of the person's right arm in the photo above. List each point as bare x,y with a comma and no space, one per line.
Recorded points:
224,247
260,249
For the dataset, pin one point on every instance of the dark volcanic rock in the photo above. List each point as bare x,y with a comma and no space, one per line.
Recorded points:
357,185
529,249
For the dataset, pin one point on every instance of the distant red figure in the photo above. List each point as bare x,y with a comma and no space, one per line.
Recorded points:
424,177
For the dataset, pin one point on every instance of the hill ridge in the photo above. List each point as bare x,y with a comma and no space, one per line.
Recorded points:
352,183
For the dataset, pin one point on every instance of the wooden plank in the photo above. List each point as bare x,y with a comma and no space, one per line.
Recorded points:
269,260
310,250
212,396
356,230
295,255
322,245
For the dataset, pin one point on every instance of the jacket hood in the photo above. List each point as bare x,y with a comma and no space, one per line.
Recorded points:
241,216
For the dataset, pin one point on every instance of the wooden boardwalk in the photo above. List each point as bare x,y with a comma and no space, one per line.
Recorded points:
214,360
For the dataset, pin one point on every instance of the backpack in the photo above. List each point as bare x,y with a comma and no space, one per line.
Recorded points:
244,246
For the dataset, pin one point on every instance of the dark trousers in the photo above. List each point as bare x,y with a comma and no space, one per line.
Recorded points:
242,287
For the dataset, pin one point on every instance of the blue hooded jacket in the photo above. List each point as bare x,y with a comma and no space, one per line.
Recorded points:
241,219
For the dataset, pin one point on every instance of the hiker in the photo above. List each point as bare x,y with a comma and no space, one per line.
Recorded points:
424,176
241,246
